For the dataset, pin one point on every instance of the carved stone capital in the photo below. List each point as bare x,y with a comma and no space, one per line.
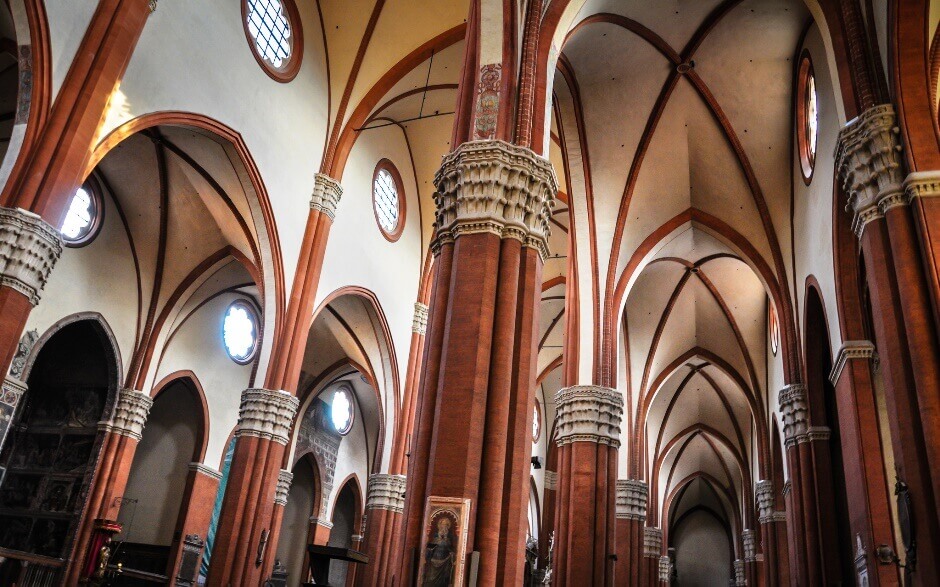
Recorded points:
206,470
29,249
551,480
130,414
632,495
765,501
652,542
780,517
815,433
792,403
588,413
869,160
267,414
386,492
749,540
284,479
922,184
327,193
419,324
496,187
321,522
740,580
665,568
850,351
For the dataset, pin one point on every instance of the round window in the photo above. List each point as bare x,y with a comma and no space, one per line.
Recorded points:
275,35
341,412
536,422
82,218
807,117
240,332
388,200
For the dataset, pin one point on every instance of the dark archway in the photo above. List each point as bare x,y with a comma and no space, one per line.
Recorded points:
303,502
345,517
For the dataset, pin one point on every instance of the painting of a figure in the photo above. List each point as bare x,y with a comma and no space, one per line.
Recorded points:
444,544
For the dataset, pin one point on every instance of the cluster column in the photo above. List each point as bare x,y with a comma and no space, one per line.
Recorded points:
472,441
805,566
385,502
244,532
652,551
749,543
632,496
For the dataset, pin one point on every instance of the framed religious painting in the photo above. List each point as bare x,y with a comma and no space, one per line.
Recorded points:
444,542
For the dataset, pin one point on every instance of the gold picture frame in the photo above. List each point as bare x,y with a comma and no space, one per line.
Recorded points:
444,542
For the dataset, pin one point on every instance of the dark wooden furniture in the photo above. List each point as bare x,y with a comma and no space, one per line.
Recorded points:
321,557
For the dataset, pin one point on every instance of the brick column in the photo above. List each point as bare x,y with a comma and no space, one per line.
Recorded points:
473,426
122,435
652,550
751,571
665,571
804,535
385,503
195,515
765,517
632,497
587,431
264,423
740,579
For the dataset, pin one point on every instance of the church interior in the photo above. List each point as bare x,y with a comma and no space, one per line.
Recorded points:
458,293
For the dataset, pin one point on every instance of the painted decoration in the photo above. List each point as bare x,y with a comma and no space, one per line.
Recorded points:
444,544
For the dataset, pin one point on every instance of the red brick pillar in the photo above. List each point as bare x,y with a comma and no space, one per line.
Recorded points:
740,578
804,556
122,435
385,503
264,424
632,498
749,544
652,550
768,532
665,571
195,515
587,431
473,438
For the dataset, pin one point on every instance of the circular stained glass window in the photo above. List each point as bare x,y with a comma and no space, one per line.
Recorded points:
82,217
341,412
273,29
388,200
807,117
240,332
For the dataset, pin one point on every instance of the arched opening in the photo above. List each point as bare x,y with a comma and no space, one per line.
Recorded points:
156,486
303,502
9,77
49,457
700,531
345,518
835,532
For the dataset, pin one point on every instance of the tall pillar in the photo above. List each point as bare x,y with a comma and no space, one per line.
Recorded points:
202,485
243,540
122,435
665,570
652,551
632,496
765,517
749,543
385,503
587,431
805,556
870,163
740,579
472,436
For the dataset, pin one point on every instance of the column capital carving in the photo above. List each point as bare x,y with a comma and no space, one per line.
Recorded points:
922,184
740,580
869,160
765,501
632,496
551,480
851,350
665,568
203,469
267,414
652,541
792,403
29,249
588,413
130,414
419,324
496,187
749,540
386,492
327,193
317,521
284,479
818,433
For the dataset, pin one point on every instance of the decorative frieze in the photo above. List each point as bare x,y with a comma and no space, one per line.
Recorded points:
266,413
327,193
318,521
206,470
665,568
765,501
632,495
869,161
652,542
740,580
386,492
815,433
495,187
284,479
851,350
792,403
419,324
922,184
749,541
780,517
588,413
29,249
130,414
551,480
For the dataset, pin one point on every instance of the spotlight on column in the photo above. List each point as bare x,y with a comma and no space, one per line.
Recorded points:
536,463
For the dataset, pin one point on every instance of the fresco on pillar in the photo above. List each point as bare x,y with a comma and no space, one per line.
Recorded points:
444,545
